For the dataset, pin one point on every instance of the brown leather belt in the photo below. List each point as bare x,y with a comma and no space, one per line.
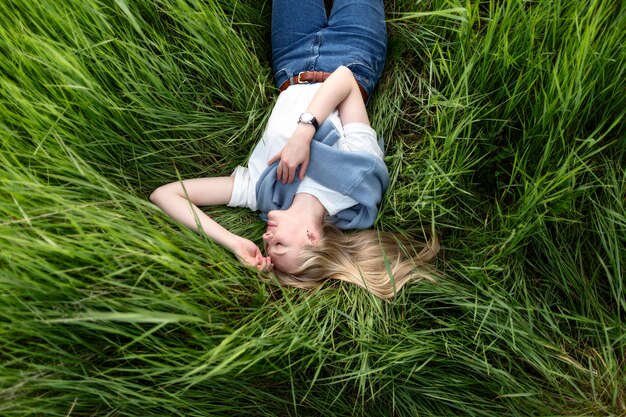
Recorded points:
306,77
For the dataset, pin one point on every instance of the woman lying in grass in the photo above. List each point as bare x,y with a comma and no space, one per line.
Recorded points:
318,167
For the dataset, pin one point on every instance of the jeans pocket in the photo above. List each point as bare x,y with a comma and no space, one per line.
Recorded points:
362,72
280,76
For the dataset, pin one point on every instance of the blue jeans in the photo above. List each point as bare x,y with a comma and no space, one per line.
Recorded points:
304,39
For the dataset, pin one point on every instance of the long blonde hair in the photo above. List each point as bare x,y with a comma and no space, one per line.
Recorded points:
381,262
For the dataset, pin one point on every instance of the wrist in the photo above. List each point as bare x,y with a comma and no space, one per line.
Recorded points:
231,241
304,132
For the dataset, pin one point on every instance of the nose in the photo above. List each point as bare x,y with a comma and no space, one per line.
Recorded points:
271,215
267,236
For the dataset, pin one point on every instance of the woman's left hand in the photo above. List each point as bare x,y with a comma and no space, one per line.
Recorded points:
295,153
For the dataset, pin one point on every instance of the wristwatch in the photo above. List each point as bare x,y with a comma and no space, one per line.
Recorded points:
308,118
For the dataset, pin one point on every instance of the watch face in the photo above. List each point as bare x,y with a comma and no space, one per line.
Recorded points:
309,118
306,118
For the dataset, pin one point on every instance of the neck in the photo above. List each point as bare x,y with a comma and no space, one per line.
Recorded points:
308,205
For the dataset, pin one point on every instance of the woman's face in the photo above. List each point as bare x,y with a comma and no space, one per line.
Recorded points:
286,235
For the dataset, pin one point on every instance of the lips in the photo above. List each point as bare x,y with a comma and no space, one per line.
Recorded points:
271,224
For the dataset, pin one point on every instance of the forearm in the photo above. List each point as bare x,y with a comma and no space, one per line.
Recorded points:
185,212
180,200
339,91
337,88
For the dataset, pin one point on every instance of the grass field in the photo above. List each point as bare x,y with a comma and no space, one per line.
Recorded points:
505,131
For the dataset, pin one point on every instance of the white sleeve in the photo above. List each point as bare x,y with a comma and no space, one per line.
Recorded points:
244,190
360,137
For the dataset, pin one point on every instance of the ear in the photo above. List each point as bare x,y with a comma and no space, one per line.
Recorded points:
313,236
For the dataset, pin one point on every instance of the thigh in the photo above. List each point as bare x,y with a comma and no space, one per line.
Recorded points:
357,27
293,22
356,37
358,15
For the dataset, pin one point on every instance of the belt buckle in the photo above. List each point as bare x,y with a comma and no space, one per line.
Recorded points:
300,80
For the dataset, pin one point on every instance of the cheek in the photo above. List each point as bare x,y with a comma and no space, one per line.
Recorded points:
286,264
286,235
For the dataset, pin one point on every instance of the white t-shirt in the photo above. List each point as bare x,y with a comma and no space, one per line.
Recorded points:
291,103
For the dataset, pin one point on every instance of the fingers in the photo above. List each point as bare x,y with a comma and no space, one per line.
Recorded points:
279,169
264,263
292,173
282,173
274,158
286,172
303,168
286,169
268,265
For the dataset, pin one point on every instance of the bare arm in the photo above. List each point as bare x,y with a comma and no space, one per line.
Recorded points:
181,200
339,91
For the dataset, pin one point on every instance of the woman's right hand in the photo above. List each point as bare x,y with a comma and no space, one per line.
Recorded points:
295,153
249,254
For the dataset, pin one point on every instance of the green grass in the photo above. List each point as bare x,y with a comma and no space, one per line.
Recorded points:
505,131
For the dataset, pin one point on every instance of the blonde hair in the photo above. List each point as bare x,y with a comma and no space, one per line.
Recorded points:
380,262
